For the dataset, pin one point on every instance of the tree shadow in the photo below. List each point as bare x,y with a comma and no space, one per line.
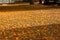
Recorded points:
27,7
42,32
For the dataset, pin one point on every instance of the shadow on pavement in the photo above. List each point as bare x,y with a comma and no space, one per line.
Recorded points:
27,7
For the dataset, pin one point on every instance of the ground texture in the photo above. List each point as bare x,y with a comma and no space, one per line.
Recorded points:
41,24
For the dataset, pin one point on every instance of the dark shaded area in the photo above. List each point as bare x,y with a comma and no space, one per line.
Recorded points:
31,2
43,32
27,7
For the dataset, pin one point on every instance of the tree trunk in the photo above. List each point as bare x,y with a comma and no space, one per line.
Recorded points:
55,1
23,0
31,2
40,1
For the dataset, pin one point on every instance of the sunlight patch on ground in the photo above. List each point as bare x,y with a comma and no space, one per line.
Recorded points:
17,19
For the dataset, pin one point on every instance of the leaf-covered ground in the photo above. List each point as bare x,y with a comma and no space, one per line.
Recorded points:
42,24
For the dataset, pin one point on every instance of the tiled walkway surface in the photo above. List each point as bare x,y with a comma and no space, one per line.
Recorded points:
20,25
